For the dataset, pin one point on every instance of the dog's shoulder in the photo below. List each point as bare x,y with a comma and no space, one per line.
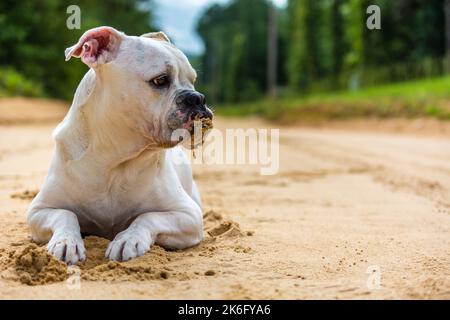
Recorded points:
71,134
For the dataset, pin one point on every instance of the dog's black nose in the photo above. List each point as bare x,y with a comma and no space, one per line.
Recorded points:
193,99
205,113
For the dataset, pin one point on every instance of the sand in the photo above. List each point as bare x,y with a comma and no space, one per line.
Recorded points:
359,210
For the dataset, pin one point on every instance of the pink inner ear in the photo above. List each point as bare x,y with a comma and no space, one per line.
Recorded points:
94,47
90,50
92,44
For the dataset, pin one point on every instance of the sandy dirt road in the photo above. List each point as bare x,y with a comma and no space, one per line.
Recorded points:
347,208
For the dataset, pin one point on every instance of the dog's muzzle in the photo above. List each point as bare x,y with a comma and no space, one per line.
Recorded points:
191,115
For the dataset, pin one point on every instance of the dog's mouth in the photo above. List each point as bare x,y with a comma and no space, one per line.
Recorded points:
191,128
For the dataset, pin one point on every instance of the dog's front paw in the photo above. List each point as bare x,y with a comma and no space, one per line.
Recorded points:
127,245
67,246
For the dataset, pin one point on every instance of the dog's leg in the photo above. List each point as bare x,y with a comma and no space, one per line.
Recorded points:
176,230
62,231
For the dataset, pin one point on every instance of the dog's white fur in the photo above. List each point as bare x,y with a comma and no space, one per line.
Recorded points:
111,174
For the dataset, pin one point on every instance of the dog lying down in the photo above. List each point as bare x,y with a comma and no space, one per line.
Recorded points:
113,172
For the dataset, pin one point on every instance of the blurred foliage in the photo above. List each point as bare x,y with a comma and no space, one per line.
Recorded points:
419,98
13,83
306,55
33,36
233,67
323,44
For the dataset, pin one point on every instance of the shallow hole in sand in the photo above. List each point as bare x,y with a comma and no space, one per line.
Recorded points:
31,264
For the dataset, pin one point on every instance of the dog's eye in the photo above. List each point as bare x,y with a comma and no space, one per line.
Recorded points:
161,81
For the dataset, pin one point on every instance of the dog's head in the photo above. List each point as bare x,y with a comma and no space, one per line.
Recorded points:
148,82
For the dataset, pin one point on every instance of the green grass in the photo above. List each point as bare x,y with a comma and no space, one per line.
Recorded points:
13,83
421,98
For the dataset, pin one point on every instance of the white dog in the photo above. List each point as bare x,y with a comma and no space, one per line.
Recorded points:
113,172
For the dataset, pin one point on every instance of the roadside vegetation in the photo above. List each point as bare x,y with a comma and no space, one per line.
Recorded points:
421,98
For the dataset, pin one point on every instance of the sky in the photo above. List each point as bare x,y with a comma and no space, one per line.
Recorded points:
178,18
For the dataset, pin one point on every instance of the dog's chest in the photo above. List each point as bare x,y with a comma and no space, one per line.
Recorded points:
107,201
107,213
114,201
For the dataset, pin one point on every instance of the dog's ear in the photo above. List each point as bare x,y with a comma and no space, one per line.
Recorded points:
157,36
96,46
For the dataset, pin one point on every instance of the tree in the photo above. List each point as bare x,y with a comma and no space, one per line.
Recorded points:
338,44
305,62
34,35
235,37
234,67
447,34
447,26
354,32
272,51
